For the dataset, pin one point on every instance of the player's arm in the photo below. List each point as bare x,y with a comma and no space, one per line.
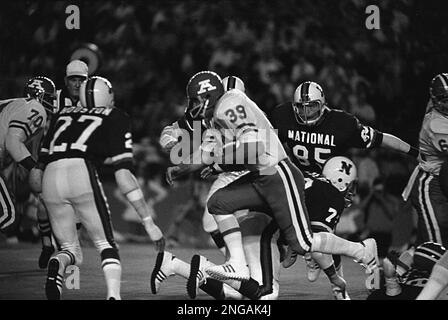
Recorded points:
122,160
368,137
21,127
170,136
392,142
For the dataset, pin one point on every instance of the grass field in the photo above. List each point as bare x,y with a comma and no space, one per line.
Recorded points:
20,277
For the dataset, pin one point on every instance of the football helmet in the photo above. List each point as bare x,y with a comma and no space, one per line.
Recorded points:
426,255
203,91
308,103
438,91
96,92
342,173
43,90
232,82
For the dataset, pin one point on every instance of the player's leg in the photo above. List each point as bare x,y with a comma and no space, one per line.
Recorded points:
284,192
93,210
438,281
260,234
430,204
8,211
208,221
44,227
167,265
223,204
55,189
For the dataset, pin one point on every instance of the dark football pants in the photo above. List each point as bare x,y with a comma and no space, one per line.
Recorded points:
280,194
8,212
432,209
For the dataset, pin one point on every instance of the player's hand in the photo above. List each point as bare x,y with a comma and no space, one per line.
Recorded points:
172,174
207,172
35,180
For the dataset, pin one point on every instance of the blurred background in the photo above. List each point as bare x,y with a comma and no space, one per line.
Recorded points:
149,49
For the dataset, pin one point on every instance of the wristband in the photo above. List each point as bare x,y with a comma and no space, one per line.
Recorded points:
134,195
28,163
414,152
146,218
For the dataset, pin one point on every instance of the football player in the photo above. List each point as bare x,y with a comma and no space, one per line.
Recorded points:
426,182
327,195
312,132
76,72
405,275
22,121
184,128
79,140
438,280
274,185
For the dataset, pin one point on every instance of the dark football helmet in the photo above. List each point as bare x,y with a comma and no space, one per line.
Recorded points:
203,91
426,255
43,90
308,103
438,91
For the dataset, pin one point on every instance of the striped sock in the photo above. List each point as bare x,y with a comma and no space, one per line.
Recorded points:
112,272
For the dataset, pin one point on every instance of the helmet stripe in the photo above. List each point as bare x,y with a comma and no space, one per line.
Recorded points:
231,83
304,91
90,100
444,79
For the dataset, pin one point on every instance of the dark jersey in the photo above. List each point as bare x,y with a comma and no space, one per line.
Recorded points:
311,145
324,203
92,134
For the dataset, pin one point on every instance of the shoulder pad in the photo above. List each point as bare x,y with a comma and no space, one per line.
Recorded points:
439,125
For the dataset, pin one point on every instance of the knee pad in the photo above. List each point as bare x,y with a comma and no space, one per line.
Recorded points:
216,205
208,222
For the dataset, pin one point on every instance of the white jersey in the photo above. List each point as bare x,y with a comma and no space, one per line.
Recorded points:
25,114
433,141
239,119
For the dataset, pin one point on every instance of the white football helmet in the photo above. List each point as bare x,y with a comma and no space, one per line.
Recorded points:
232,82
96,92
342,173
308,102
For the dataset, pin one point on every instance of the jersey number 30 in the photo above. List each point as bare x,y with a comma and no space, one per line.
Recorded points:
79,144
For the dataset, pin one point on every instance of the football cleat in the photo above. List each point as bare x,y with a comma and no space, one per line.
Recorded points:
53,286
45,256
231,270
312,267
162,270
198,276
370,258
290,258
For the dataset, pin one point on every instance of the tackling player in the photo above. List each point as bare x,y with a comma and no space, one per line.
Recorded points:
425,186
274,185
22,121
312,133
79,140
327,196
